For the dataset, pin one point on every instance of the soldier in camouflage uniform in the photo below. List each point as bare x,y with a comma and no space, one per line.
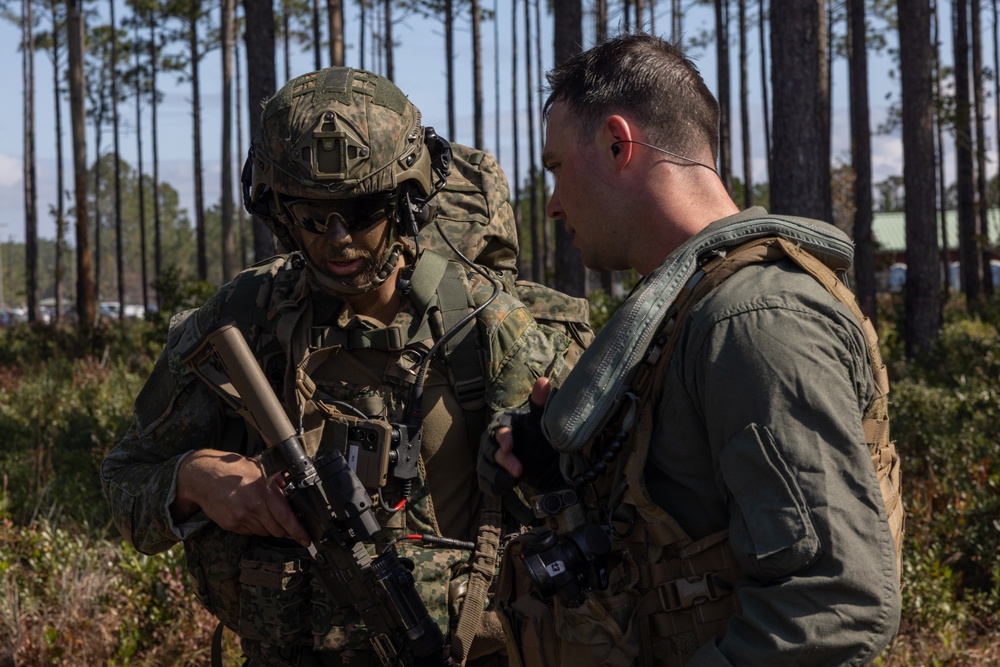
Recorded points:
344,174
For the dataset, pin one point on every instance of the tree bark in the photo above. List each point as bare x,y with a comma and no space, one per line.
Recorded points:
317,37
922,280
982,201
722,68
570,275
119,251
968,248
516,194
744,111
389,67
142,186
194,50
335,12
30,181
226,208
57,69
240,209
763,86
154,104
677,24
477,76
85,309
260,86
537,259
861,159
449,66
800,178
939,122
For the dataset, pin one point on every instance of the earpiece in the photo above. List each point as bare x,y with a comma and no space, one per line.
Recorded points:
615,149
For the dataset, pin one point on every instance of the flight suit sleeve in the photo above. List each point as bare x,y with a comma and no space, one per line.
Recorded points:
174,414
806,517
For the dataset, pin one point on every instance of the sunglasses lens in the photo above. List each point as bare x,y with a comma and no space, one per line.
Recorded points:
314,215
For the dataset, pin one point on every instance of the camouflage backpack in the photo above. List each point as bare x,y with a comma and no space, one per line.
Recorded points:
473,211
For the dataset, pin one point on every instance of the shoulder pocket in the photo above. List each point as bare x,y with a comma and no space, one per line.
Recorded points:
771,530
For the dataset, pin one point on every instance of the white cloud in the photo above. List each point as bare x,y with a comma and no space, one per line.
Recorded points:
11,170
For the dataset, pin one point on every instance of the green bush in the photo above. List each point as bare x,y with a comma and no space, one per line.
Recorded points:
59,418
945,415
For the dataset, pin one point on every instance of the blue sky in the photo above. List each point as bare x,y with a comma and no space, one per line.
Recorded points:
420,72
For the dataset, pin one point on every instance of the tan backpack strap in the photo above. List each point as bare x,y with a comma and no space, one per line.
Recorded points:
483,565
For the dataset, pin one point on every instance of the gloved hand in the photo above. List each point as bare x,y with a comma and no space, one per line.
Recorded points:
515,450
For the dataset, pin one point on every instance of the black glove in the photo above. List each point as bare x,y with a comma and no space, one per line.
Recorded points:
539,459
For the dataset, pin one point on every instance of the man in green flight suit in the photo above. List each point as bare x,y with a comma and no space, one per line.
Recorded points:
344,327
728,492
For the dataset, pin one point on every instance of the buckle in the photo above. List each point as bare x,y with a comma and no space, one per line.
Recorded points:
684,593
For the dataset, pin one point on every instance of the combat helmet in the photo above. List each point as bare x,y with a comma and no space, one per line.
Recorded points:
341,133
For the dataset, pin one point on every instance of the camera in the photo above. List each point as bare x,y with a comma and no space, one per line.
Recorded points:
572,558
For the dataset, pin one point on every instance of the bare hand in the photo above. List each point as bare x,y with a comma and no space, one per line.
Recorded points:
504,437
233,492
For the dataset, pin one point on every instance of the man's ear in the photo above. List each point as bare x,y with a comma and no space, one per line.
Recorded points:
618,134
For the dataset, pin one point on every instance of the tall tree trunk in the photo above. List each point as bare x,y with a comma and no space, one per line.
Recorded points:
154,104
996,115
30,184
496,77
119,251
199,190
922,282
477,76
57,70
543,221
226,209
600,21
982,200
722,68
389,68
286,41
861,159
85,309
762,17
516,198
744,111
571,277
317,37
939,122
335,12
260,86
800,174
362,31
142,186
677,24
449,66
536,244
968,248
241,154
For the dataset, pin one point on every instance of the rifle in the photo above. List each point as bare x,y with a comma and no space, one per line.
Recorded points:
332,504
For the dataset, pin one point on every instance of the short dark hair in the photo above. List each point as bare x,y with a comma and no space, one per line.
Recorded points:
645,77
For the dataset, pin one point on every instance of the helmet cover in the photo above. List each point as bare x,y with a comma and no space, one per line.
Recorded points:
336,133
